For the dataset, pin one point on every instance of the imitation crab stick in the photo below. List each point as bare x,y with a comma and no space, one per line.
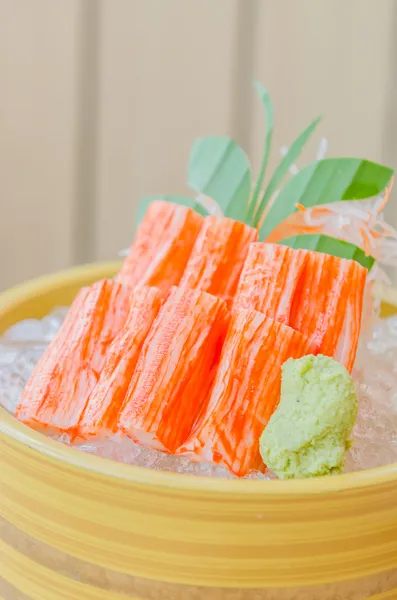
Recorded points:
217,257
175,370
104,402
270,276
327,307
162,246
246,391
55,395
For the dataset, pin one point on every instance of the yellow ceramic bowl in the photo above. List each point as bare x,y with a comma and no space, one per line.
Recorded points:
78,527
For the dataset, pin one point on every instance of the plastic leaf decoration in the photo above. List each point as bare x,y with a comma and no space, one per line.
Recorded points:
326,181
283,168
220,169
219,174
269,116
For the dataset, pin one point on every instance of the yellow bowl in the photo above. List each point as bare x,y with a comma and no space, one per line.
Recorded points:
79,527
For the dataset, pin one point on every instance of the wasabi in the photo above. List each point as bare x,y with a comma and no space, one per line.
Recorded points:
308,435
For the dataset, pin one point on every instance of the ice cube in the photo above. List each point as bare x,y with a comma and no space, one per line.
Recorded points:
25,331
20,348
375,432
16,366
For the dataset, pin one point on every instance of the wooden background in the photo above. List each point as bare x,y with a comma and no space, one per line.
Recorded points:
100,101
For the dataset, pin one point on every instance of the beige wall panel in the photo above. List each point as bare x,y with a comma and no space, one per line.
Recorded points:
166,72
330,58
101,99
38,45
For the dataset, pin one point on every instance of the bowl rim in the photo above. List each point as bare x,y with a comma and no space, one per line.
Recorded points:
12,428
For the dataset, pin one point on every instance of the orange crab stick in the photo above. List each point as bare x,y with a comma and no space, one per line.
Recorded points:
246,391
55,394
217,257
104,402
270,276
327,307
175,370
162,246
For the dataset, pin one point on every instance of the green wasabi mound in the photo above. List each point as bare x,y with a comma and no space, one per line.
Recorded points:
308,434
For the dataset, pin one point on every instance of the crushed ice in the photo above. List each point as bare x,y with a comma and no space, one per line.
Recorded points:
375,432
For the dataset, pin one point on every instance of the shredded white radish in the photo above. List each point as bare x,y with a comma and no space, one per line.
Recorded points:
210,205
322,149
359,223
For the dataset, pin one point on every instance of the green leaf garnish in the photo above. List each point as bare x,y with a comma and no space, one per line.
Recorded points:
330,245
184,201
220,169
269,114
282,169
326,181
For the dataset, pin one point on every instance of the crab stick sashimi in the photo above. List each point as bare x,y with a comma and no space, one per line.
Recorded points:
55,394
162,246
175,370
246,391
218,256
269,279
328,305
105,400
